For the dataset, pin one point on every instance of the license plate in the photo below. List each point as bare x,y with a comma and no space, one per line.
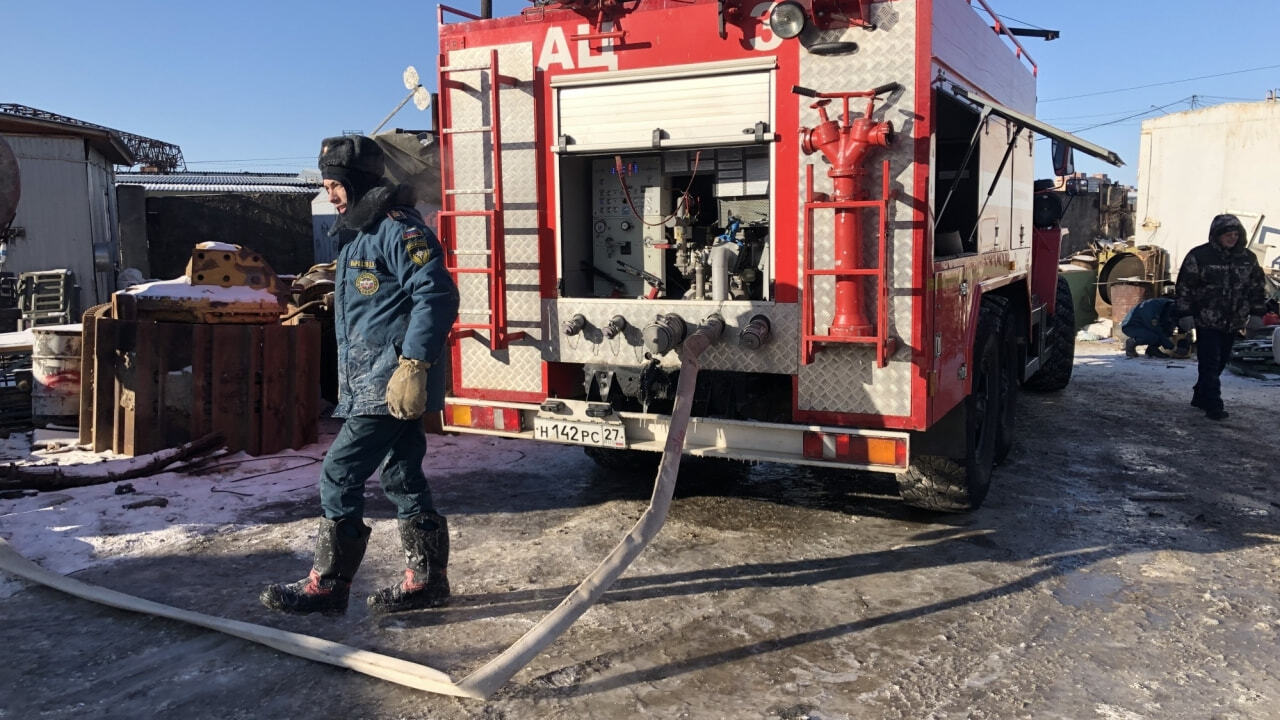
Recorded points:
580,433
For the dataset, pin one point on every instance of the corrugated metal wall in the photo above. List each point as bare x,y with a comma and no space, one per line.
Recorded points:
67,205
1194,165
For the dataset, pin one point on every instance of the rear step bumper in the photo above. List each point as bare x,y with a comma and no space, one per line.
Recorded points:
820,445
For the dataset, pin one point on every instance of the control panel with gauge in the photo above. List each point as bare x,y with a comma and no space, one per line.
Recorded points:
628,250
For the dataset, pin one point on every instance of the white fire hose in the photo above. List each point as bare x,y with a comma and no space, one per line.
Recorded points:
493,674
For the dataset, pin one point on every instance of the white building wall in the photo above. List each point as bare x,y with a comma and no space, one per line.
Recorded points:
67,205
1197,164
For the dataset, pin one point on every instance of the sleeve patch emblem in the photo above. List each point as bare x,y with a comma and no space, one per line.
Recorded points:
412,233
366,283
419,252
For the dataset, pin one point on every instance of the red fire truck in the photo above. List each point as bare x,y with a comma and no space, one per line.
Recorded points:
845,185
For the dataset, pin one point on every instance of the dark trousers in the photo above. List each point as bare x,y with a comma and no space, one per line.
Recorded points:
1213,350
365,443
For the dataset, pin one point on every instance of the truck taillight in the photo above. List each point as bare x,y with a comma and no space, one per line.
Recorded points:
483,418
860,449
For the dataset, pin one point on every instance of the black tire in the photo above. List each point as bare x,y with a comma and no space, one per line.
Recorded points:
960,484
1059,353
1010,360
631,462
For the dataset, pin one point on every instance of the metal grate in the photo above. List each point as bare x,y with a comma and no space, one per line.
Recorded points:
47,297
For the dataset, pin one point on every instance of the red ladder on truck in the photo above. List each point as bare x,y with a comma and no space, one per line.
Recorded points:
495,265
879,336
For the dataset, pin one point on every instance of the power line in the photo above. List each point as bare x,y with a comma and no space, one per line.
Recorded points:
1113,113
1190,99
1158,84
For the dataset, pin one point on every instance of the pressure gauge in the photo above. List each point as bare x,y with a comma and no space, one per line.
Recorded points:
601,226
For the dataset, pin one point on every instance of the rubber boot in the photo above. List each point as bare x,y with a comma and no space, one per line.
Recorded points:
339,549
1154,351
426,582
1130,347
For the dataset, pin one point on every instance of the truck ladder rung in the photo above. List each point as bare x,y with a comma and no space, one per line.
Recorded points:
464,68
476,191
458,253
465,213
461,131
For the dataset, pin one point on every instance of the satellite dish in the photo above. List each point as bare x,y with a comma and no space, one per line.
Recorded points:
421,98
411,80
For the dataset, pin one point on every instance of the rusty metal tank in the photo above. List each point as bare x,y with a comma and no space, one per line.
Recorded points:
223,284
55,367
1125,296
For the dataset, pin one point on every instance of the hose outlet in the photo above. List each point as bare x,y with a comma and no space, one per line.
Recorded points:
599,410
756,333
574,325
713,326
664,333
617,324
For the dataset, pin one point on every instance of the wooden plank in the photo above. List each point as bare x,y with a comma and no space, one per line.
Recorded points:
201,379
277,414
126,365
142,435
104,387
87,343
304,358
230,395
172,352
253,354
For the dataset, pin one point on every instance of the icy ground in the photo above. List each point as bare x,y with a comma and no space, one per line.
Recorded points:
1124,567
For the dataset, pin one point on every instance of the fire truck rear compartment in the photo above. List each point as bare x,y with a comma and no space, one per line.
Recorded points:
685,224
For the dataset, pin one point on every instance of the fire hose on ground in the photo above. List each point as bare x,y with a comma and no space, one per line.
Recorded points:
492,675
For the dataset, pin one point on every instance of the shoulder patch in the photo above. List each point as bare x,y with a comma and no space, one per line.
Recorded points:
413,232
396,215
419,252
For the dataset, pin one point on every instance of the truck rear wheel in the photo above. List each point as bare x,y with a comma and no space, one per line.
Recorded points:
960,484
1059,353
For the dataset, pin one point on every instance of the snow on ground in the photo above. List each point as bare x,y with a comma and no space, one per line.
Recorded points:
70,530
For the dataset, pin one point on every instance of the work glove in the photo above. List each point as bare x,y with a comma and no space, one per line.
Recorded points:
1186,323
407,390
1253,323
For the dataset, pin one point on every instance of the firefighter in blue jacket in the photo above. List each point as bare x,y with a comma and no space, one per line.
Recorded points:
1151,323
394,305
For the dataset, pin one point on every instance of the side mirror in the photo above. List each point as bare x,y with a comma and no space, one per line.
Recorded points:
1064,163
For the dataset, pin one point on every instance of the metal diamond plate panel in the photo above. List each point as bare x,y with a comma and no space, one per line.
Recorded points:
780,355
845,378
518,367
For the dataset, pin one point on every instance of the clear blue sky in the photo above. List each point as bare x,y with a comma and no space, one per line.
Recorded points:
243,85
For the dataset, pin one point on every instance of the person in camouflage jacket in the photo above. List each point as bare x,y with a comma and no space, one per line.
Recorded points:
1221,290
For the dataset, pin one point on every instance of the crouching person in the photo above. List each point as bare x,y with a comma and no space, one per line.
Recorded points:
394,306
1151,323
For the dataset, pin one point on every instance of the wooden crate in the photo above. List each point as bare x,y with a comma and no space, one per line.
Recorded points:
152,385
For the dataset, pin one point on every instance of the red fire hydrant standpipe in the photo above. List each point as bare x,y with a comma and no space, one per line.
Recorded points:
846,144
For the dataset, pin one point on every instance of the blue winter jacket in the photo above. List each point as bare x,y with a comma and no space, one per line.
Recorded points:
394,298
1151,322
